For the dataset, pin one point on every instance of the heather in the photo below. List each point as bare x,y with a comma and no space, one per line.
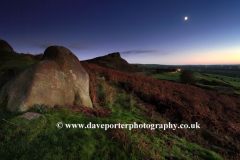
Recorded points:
178,103
125,98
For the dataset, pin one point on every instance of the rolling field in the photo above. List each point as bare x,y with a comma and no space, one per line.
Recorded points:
229,73
234,82
168,76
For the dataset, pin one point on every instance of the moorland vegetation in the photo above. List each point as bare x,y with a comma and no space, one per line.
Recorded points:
124,98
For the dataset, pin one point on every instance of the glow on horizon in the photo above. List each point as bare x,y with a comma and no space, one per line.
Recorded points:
222,58
212,59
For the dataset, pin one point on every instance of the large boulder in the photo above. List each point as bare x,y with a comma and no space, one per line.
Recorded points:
5,46
57,79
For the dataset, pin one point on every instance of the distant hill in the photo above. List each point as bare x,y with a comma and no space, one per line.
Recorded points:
111,61
114,61
153,66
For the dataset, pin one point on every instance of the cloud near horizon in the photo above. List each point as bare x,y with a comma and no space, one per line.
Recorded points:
138,51
143,51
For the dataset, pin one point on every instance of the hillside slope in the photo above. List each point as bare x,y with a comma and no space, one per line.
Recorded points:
114,61
217,113
126,98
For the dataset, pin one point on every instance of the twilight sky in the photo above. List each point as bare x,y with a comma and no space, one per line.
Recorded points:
143,31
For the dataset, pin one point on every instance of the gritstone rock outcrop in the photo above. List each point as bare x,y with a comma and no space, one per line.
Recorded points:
114,61
5,46
57,79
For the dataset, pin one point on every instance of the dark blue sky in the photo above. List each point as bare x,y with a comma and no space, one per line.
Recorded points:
143,31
